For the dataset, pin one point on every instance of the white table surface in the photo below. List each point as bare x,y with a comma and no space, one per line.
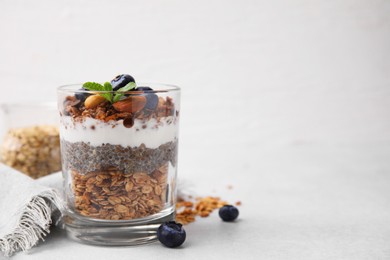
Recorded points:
288,101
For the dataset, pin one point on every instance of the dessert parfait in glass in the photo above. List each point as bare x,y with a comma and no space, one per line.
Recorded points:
119,143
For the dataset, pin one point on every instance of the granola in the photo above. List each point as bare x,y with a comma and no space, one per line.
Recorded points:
187,211
34,151
113,195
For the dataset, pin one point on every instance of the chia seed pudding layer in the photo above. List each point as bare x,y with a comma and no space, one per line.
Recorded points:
85,158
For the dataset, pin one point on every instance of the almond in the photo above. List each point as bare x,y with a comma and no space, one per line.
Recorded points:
130,104
93,101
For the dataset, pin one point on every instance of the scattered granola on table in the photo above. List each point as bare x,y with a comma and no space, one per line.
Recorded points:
188,210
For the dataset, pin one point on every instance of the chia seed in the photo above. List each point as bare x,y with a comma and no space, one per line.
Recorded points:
84,158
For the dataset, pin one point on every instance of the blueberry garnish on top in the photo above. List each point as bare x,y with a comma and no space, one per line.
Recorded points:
81,95
151,98
145,89
120,81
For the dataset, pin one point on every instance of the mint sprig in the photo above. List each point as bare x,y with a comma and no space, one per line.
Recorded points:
107,87
129,86
93,86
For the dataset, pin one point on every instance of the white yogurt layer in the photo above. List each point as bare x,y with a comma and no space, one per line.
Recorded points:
151,133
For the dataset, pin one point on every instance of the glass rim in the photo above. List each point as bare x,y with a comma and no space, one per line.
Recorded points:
161,88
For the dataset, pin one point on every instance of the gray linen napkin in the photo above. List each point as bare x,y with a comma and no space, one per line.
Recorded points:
26,209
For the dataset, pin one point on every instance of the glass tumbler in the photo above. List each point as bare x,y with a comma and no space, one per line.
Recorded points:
119,162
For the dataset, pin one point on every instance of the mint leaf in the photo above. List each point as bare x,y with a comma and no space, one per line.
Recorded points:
117,97
107,96
128,87
107,86
93,86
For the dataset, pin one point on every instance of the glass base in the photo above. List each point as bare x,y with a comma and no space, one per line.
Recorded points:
116,232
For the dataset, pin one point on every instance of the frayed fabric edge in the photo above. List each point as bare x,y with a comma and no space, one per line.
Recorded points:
33,225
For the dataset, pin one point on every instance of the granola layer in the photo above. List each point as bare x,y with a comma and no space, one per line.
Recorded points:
113,195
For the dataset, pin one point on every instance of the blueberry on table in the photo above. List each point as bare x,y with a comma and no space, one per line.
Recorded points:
228,213
120,81
151,98
171,234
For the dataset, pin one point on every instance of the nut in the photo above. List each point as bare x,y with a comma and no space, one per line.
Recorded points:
93,101
131,104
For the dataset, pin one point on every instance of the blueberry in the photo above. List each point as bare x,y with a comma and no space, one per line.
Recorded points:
81,96
228,213
146,89
171,234
151,98
120,81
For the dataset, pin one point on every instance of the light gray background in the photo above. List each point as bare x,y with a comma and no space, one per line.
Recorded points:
288,101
